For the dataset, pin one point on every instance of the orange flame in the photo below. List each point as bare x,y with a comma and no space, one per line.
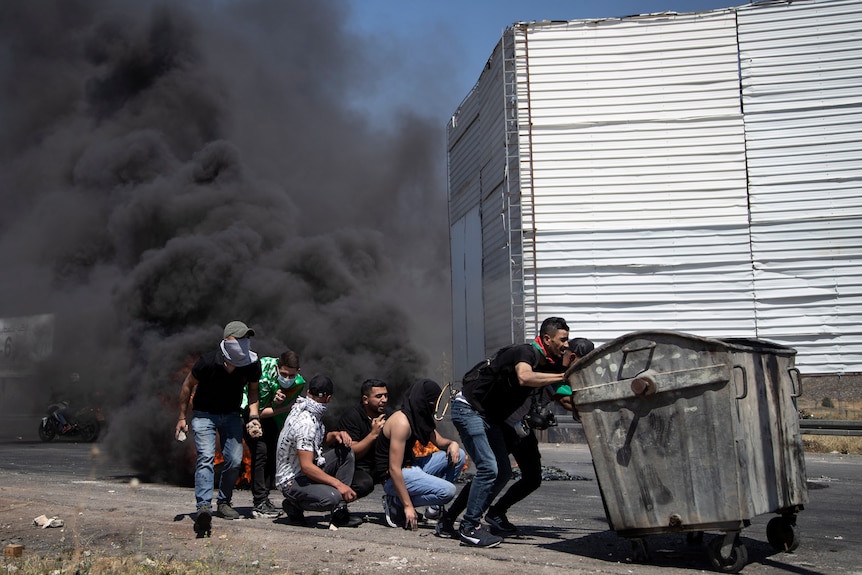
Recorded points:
244,477
421,450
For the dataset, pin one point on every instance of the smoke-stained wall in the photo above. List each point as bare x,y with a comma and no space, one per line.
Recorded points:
166,168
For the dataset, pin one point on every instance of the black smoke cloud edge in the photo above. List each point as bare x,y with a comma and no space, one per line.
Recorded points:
145,215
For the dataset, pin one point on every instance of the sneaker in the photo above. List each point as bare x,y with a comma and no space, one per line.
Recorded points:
265,509
225,511
203,521
66,428
477,537
341,517
500,525
294,514
433,512
445,529
392,511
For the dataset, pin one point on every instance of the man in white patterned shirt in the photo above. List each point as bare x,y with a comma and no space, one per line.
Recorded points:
310,478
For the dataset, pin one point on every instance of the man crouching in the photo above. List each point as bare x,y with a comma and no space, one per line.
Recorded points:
408,483
309,478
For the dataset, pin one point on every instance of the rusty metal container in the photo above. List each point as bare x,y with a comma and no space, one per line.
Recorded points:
691,434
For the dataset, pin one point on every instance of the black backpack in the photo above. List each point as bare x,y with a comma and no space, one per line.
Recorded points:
485,369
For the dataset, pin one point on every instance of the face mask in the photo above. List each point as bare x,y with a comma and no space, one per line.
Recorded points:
286,382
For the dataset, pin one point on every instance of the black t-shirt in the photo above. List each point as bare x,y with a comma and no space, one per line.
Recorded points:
496,393
358,425
381,454
219,391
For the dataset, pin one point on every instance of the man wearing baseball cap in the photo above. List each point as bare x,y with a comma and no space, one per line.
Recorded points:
310,478
213,390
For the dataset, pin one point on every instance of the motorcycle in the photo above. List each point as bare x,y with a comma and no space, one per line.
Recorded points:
84,424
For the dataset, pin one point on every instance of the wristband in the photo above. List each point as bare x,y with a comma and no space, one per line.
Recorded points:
253,417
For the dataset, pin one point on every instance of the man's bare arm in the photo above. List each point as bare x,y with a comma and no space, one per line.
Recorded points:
529,378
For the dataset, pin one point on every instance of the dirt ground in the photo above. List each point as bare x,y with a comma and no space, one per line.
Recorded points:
108,513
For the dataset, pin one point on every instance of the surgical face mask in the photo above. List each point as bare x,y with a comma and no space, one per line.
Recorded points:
286,382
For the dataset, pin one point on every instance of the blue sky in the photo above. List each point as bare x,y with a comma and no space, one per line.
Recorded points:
435,49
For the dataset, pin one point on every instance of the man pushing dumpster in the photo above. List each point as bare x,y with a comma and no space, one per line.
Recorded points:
490,393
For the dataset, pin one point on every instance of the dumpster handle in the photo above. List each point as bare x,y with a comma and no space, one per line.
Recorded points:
650,345
744,381
798,381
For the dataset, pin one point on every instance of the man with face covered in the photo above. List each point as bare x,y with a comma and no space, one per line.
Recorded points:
314,468
280,384
213,390
407,484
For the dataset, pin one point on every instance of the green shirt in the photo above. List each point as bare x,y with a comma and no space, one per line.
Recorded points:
268,385
561,388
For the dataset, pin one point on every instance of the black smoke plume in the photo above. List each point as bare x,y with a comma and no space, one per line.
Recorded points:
168,167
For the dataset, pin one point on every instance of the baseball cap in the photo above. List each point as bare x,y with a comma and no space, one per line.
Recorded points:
320,385
238,330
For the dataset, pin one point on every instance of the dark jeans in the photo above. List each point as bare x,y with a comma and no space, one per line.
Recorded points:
529,460
526,453
310,496
262,450
363,483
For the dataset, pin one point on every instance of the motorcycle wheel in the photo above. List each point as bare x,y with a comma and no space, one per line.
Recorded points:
47,432
89,430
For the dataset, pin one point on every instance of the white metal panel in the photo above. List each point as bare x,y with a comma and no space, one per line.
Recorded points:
636,163
801,66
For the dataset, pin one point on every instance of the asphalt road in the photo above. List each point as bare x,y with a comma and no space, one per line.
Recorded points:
563,523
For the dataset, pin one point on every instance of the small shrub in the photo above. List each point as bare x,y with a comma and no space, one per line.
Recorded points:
827,402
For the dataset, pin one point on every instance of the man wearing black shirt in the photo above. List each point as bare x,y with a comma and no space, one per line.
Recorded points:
216,383
489,395
363,423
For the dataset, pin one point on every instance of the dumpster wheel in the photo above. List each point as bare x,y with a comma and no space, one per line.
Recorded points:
735,555
782,533
640,552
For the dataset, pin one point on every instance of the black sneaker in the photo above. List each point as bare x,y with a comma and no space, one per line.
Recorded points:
341,517
266,510
477,537
500,525
294,514
445,529
203,522
225,511
392,511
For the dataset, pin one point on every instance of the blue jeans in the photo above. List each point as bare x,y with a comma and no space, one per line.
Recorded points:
486,446
229,427
431,481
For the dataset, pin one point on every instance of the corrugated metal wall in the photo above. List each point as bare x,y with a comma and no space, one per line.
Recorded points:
478,179
693,172
801,67
638,174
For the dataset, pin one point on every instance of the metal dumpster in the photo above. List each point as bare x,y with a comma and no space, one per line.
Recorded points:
691,434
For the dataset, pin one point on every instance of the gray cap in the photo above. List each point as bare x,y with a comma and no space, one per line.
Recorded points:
238,330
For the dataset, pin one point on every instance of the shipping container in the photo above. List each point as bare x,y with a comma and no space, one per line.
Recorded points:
696,172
